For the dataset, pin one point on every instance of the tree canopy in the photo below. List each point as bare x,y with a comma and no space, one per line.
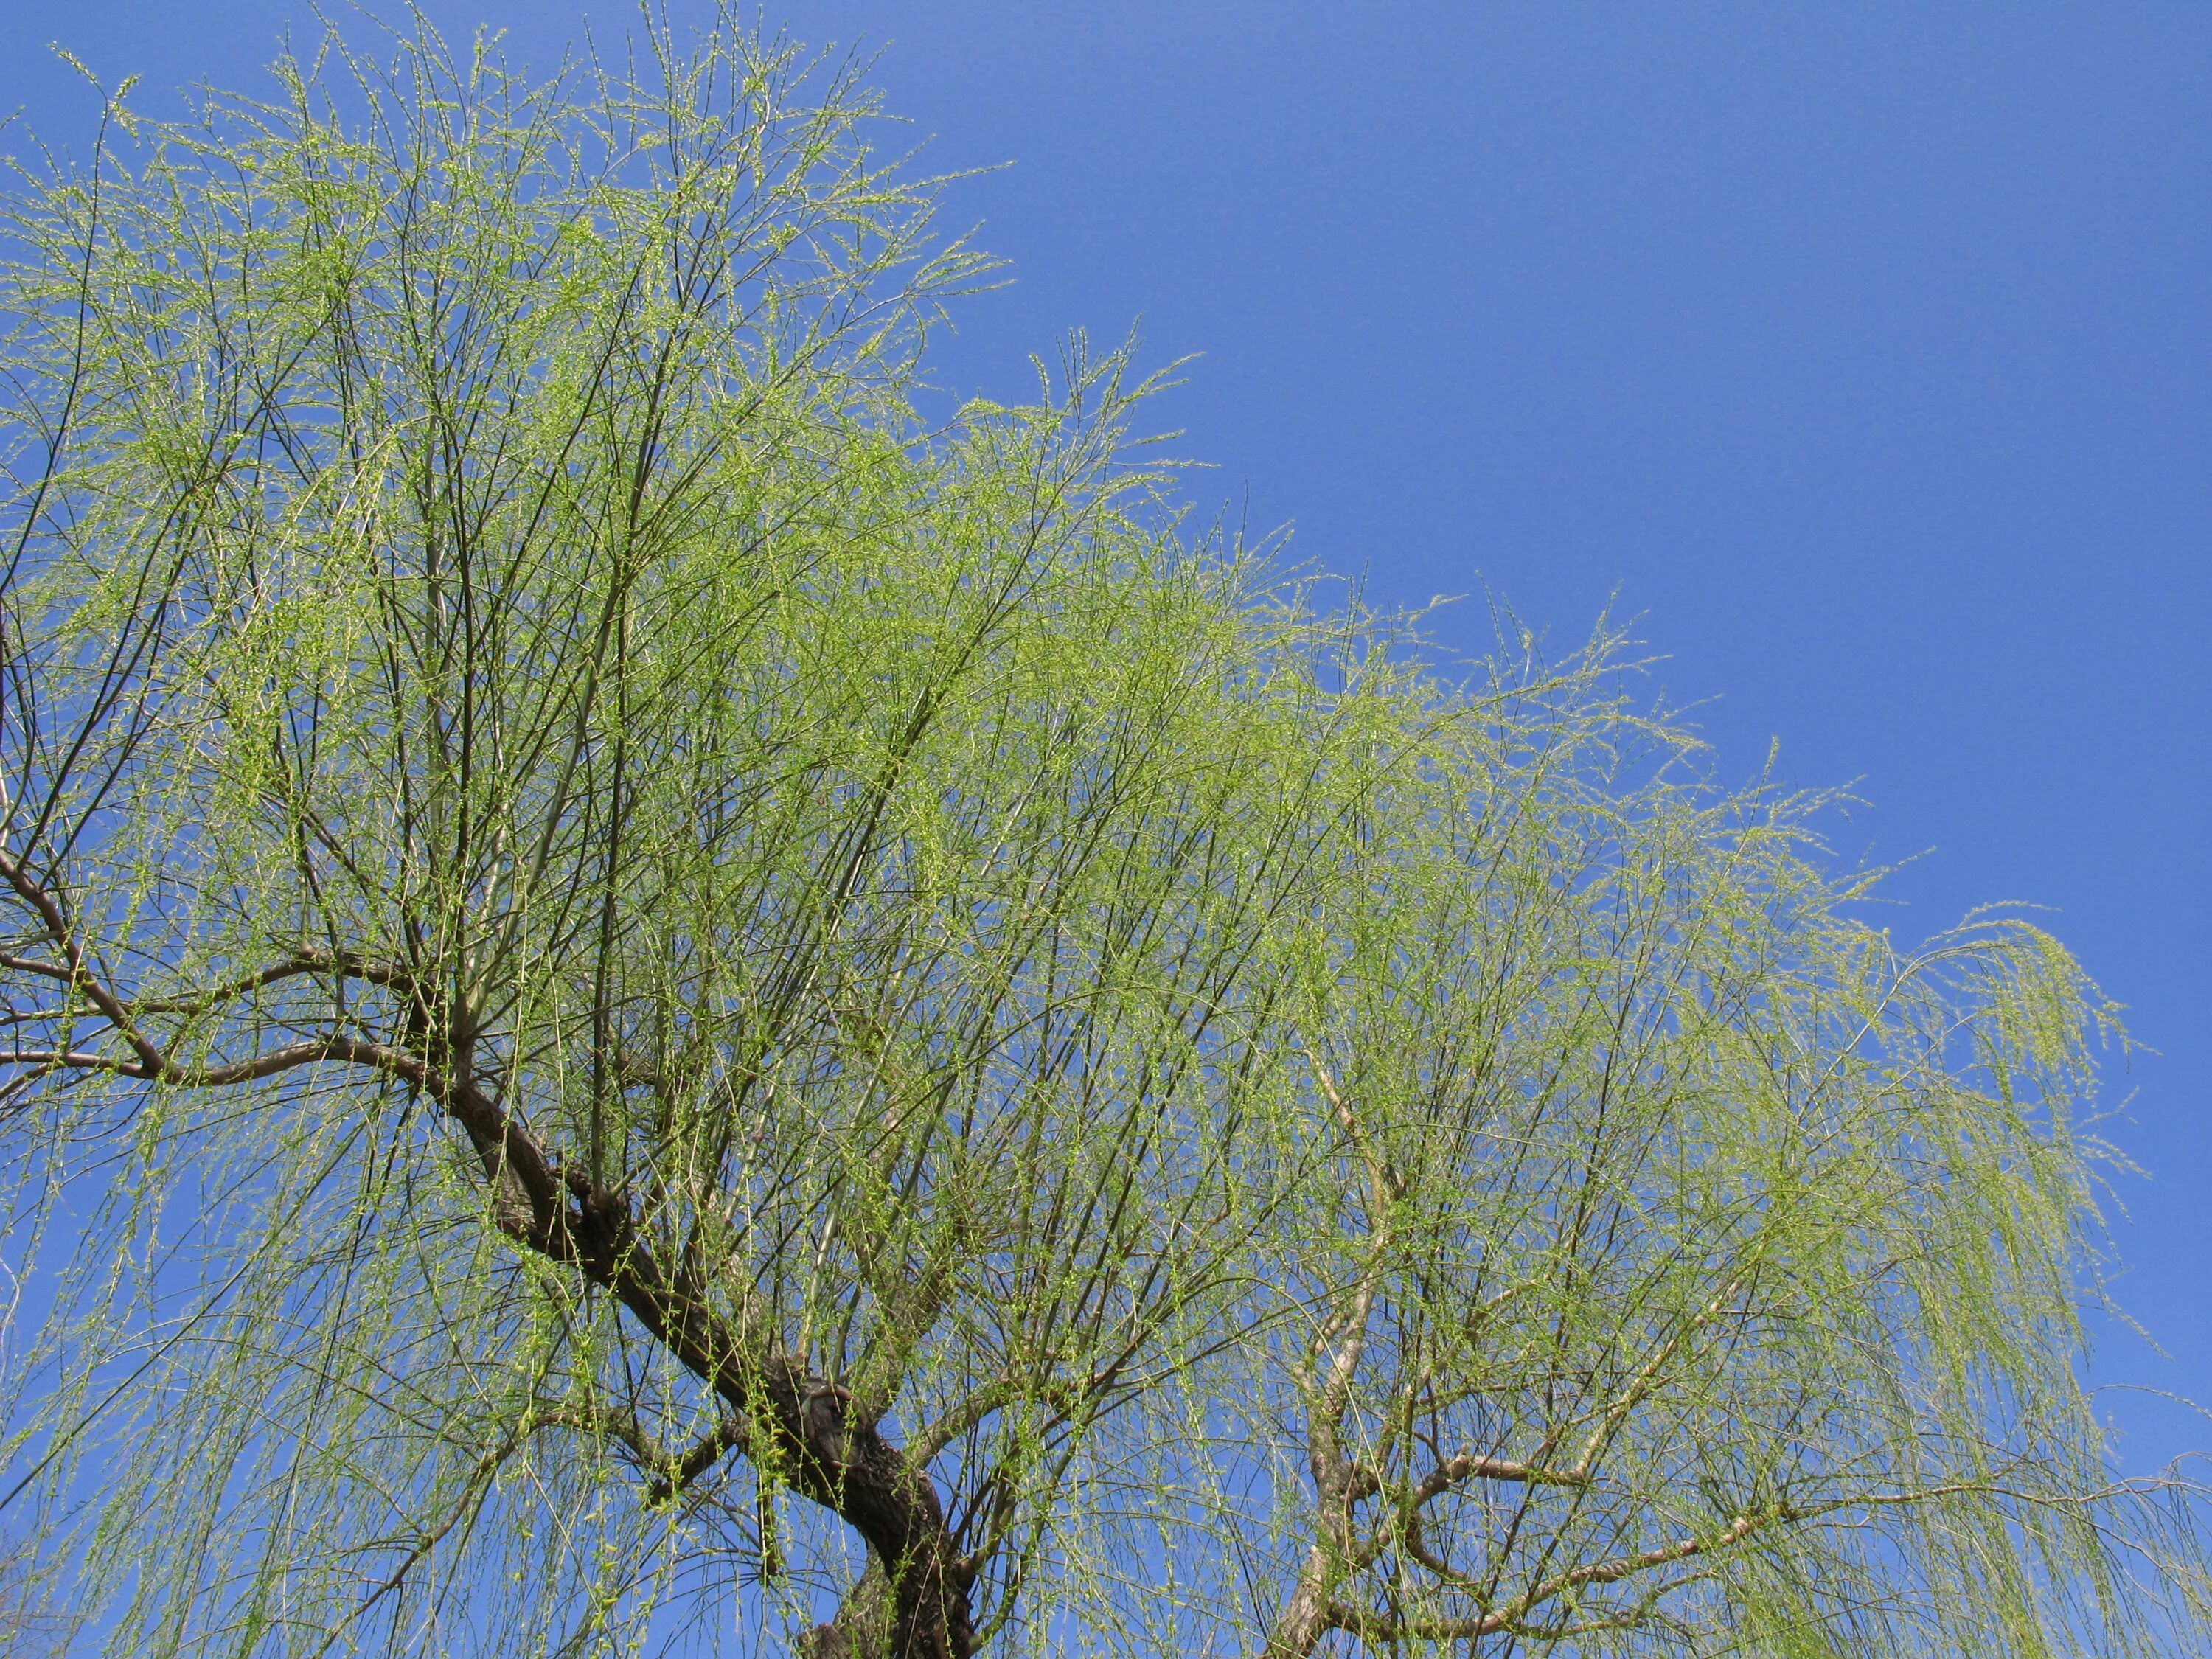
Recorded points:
662,991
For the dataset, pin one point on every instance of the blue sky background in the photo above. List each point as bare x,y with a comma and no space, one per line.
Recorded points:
1861,350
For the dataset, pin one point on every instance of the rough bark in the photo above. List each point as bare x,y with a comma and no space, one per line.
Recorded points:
862,1628
779,1415
1305,1617
800,1424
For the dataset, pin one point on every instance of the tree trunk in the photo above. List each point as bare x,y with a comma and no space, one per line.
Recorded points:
862,1628
1304,1619
845,1466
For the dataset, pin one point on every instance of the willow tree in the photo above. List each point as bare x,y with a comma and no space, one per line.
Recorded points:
651,998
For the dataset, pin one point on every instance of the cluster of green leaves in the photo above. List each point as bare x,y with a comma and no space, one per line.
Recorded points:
503,686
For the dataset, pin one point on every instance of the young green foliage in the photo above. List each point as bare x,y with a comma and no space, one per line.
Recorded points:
648,998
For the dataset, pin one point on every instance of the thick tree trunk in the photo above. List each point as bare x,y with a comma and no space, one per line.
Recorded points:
844,1464
862,1628
778,1416
1304,1619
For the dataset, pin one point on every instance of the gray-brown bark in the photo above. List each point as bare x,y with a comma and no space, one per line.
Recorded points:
1305,1617
862,1628
780,1415
844,1464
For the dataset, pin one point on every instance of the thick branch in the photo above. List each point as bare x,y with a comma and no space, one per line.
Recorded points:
802,1428
55,921
836,1459
701,1456
1306,1617
1468,1466
844,1464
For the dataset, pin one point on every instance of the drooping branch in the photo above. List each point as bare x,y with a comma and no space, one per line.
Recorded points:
803,1430
778,1413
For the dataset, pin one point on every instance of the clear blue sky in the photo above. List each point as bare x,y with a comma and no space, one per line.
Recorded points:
1864,350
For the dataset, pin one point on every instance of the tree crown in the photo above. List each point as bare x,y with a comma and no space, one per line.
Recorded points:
650,992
